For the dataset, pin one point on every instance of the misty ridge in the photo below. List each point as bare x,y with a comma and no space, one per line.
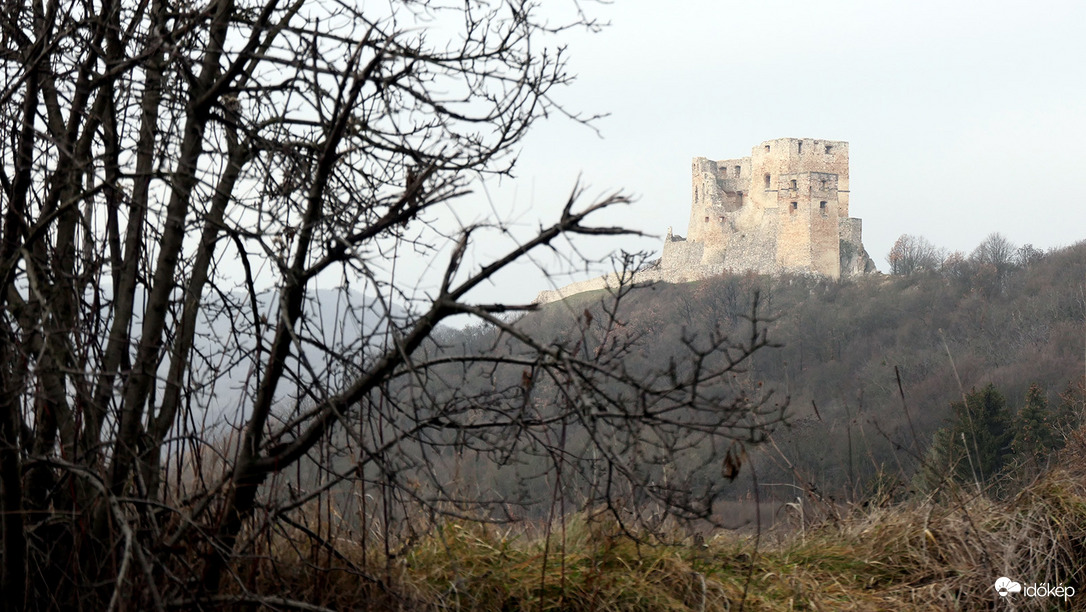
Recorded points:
352,324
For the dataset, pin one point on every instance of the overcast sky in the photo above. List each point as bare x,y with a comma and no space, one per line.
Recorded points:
963,118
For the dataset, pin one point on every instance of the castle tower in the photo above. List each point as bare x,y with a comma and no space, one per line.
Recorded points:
783,209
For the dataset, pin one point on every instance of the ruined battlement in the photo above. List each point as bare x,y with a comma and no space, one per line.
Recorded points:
783,209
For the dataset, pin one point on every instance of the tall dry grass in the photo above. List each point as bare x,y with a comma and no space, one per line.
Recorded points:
924,554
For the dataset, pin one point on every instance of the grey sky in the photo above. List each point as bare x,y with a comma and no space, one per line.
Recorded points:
963,118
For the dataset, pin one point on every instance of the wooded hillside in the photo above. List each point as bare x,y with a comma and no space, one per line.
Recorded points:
842,346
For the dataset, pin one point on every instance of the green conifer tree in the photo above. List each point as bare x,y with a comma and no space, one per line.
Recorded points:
1072,407
975,445
1037,430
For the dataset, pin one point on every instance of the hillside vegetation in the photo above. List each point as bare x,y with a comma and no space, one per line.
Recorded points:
872,366
868,510
860,499
923,554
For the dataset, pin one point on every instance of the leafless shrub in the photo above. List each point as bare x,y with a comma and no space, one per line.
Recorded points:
164,162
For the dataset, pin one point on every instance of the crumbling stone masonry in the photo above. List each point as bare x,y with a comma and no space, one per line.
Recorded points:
784,209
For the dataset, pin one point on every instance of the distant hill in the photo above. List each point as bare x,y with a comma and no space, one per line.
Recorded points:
843,344
841,347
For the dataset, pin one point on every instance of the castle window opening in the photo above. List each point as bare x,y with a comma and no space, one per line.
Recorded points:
822,207
800,150
794,184
767,181
767,148
828,149
737,170
823,183
795,205
706,219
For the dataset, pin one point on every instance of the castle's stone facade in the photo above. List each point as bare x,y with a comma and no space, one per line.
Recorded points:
783,209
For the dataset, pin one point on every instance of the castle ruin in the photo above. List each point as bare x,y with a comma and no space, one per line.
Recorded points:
784,209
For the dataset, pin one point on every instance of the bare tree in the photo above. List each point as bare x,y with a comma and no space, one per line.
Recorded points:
912,254
994,259
1028,255
180,182
997,251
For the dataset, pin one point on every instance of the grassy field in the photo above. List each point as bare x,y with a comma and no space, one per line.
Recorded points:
923,554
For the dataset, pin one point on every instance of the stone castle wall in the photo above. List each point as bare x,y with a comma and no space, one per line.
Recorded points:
783,209
682,253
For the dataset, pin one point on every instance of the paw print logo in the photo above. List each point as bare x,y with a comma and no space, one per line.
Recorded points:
1005,586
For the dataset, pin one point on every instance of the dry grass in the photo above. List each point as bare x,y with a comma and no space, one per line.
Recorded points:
919,556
